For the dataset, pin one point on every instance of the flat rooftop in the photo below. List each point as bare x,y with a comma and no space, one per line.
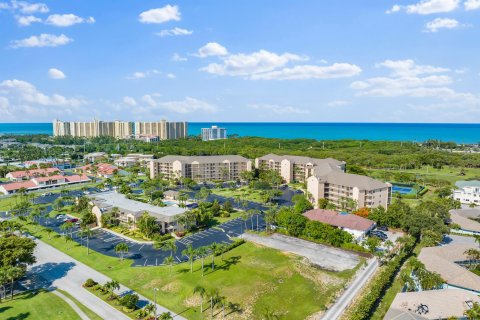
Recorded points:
432,304
119,200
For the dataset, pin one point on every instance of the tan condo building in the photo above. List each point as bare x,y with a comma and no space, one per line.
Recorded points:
162,129
96,128
200,168
326,178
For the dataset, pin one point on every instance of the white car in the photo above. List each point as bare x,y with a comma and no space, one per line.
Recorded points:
60,217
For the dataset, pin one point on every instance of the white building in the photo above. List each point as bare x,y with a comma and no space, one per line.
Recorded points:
214,133
468,192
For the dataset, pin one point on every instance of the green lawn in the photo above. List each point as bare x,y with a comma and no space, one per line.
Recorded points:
254,277
451,174
244,193
41,305
92,315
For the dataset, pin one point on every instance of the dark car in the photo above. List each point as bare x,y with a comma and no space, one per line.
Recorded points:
382,228
73,220
379,234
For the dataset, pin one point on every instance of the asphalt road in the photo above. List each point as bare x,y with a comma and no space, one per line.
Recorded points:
361,278
55,269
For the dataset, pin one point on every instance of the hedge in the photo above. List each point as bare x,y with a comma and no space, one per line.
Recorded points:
365,307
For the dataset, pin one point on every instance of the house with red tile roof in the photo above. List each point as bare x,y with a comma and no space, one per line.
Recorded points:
353,224
101,170
42,183
29,174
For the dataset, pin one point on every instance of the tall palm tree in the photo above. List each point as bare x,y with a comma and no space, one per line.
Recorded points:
49,231
13,273
190,253
88,234
66,228
121,249
214,299
68,240
165,316
202,292
213,247
169,246
202,251
169,261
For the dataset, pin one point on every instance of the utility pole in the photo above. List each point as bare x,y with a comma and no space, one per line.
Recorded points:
155,302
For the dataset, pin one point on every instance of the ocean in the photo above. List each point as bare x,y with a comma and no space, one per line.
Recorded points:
460,133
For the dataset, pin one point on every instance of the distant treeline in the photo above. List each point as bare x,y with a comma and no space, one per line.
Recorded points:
364,153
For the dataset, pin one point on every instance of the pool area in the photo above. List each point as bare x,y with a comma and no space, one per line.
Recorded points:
170,203
402,189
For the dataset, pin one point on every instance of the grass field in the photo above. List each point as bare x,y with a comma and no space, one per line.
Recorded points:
244,193
92,315
41,305
254,277
451,174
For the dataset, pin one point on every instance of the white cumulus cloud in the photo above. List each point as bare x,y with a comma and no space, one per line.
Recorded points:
424,7
25,21
143,74
302,72
178,58
43,40
174,32
188,105
129,101
57,74
472,5
67,20
160,15
212,49
29,8
441,23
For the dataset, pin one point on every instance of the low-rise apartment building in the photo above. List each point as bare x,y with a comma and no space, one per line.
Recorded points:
130,211
38,183
132,159
101,170
200,168
296,168
468,192
31,173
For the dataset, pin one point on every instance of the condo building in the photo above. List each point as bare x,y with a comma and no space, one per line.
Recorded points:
121,129
296,168
162,129
214,133
200,168
327,179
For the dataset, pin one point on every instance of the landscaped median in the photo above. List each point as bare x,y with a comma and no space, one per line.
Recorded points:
251,281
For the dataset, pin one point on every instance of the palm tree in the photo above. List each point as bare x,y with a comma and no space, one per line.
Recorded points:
213,247
190,253
245,218
66,228
121,249
149,308
13,273
214,299
49,231
474,312
88,234
169,245
166,316
202,251
202,292
111,286
68,240
169,261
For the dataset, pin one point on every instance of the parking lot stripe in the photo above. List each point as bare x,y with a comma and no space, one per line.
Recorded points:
145,262
141,247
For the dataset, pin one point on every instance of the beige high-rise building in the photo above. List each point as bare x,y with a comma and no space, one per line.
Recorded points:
96,128
163,129
200,168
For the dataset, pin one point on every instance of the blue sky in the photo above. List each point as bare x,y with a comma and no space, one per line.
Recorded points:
314,61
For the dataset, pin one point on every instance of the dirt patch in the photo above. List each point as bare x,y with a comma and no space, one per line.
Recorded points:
317,276
171,287
193,301
153,284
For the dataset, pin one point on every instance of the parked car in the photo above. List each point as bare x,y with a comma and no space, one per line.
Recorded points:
382,228
60,217
379,234
72,220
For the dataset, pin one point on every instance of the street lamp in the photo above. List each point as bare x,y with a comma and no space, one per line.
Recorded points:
155,302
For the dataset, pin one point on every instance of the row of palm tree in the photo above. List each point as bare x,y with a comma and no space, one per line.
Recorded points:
213,296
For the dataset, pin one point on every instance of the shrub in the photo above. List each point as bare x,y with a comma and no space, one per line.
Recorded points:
89,283
129,301
97,287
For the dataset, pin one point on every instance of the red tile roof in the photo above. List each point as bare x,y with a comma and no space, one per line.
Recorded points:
31,183
18,185
33,172
349,221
